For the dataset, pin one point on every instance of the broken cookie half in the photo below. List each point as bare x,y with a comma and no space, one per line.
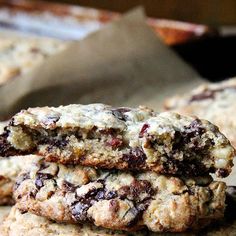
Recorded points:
120,138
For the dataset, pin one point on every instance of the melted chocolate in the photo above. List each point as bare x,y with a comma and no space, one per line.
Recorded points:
6,149
119,113
135,158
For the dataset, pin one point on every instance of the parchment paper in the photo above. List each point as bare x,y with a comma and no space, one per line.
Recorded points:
124,64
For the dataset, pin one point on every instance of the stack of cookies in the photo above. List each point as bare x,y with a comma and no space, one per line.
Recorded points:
95,168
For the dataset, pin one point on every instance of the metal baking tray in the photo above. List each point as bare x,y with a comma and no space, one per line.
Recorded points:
70,22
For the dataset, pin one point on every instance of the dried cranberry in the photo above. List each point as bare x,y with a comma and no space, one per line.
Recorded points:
115,142
143,130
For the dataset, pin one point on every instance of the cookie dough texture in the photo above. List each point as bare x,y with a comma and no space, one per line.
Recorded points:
19,55
119,200
212,101
121,138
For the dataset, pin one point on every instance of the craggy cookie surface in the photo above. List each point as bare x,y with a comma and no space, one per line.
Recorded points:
214,102
117,199
120,138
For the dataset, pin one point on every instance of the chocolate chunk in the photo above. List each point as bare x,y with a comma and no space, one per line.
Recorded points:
79,211
222,172
43,166
195,128
11,123
22,211
40,178
105,195
135,190
120,113
136,216
190,168
6,149
92,193
69,187
80,207
135,158
188,142
108,131
110,195
100,195
138,210
51,120
60,143
33,193
52,143
20,179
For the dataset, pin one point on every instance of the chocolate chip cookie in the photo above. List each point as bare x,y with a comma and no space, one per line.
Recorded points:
214,102
119,200
120,138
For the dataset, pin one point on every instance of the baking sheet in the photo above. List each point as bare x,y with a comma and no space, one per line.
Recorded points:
74,22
